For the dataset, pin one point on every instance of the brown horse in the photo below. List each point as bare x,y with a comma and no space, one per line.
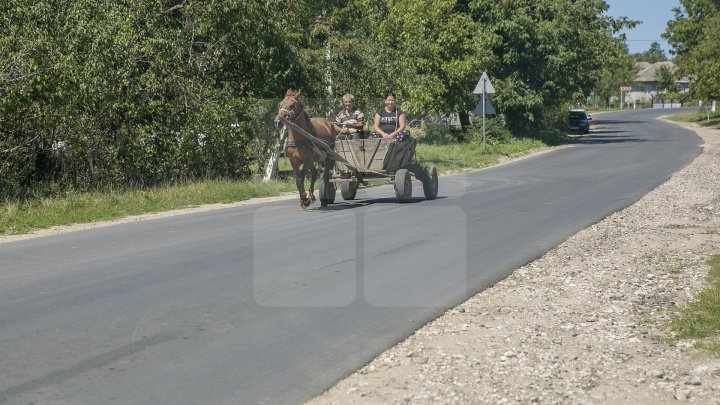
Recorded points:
301,152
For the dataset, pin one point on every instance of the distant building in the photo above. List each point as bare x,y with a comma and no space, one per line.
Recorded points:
645,86
642,65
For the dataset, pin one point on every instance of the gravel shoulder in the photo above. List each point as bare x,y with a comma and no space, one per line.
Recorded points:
587,323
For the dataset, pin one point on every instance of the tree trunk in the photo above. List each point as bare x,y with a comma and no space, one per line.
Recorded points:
464,119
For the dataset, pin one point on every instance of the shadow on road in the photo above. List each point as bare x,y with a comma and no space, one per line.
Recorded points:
596,131
594,139
343,205
614,122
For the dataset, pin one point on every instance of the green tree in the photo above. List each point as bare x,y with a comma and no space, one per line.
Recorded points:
549,53
667,80
428,52
619,70
694,35
141,92
441,52
357,64
652,55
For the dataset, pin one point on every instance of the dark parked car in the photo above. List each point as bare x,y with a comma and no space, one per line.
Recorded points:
579,122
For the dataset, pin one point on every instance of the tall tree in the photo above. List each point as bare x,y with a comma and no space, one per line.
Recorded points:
549,52
429,52
142,92
667,80
440,52
654,54
619,70
694,35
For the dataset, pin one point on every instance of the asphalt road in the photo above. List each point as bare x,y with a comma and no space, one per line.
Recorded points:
266,304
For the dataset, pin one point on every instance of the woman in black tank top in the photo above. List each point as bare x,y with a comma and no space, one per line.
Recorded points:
389,120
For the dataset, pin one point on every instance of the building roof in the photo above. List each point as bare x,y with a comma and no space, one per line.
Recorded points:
642,65
649,74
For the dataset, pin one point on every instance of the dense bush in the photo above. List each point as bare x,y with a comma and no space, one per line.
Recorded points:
133,93
496,132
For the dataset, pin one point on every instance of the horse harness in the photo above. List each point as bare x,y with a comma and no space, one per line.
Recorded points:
291,115
314,142
306,144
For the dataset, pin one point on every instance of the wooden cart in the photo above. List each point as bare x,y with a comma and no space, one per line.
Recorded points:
362,161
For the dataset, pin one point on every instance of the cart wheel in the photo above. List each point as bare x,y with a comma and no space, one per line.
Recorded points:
327,196
430,185
403,185
348,190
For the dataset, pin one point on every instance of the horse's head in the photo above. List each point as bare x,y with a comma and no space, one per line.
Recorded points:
290,107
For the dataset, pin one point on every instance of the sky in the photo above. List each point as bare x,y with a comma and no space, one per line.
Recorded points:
653,13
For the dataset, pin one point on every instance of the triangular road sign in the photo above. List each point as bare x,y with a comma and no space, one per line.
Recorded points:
484,85
489,110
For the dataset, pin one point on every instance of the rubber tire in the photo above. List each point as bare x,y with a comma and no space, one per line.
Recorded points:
403,185
327,196
430,186
348,190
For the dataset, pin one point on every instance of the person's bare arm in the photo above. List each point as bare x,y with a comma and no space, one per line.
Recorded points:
401,124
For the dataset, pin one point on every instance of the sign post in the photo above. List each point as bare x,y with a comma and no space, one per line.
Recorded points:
484,87
272,164
623,89
271,167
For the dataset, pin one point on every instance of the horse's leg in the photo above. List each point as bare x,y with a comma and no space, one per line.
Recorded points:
325,178
305,199
299,175
313,178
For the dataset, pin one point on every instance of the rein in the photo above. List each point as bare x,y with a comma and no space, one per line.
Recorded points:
291,117
311,138
326,146
319,146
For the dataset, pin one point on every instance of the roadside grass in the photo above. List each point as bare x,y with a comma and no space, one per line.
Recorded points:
19,217
701,118
701,319
592,109
615,108
454,158
83,207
